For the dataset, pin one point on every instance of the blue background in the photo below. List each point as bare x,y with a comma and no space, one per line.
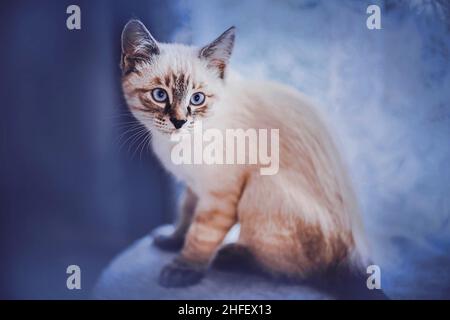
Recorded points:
72,192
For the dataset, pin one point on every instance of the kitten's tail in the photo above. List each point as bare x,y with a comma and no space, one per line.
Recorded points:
359,257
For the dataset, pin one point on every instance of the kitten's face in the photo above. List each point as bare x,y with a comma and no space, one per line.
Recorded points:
168,87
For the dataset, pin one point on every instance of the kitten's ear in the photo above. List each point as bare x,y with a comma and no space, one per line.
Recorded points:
137,45
218,52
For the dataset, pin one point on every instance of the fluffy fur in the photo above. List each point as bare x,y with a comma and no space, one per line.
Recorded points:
300,221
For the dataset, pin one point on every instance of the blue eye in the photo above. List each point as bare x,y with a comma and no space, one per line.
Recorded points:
159,95
197,99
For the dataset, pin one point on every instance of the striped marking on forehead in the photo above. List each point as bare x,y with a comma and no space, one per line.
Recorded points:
177,83
179,87
172,79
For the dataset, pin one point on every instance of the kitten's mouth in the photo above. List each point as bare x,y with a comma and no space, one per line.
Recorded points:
168,132
188,127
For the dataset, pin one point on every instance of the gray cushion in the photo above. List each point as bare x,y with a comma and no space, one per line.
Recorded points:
133,274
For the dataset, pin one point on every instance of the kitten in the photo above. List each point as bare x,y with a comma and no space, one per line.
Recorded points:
298,222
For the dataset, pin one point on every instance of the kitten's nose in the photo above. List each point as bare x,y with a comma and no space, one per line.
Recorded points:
177,123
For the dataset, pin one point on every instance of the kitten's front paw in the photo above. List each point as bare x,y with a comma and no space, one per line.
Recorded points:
168,243
180,273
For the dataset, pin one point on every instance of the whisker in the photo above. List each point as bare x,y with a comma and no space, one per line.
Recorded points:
140,143
136,139
146,143
132,137
128,131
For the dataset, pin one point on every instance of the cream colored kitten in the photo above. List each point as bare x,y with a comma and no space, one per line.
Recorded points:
300,221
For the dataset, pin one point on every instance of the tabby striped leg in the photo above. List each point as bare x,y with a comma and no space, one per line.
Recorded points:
212,221
175,241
